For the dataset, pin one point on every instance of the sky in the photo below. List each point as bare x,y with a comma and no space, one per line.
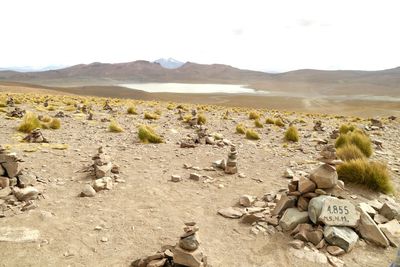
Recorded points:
278,35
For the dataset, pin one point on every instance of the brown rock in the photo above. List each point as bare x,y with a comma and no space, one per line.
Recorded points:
392,232
325,176
306,185
315,236
390,210
297,244
230,213
4,182
284,203
246,200
187,258
380,219
302,203
335,250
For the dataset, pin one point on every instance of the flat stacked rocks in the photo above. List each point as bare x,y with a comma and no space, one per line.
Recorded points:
15,188
186,252
102,168
10,102
231,163
16,113
36,136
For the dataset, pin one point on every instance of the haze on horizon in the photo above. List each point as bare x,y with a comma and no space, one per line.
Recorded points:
260,34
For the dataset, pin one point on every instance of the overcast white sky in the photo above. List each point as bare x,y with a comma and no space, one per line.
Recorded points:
275,35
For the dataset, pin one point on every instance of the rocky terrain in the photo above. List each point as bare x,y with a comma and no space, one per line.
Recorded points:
91,193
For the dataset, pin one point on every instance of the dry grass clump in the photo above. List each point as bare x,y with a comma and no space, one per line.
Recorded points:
349,152
240,128
201,119
132,110
3,104
358,139
292,134
345,128
279,123
114,127
148,135
269,121
252,135
373,175
55,124
29,123
258,124
158,112
151,116
254,115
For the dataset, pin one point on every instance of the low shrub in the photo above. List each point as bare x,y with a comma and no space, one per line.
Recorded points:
345,128
258,124
349,152
373,175
114,127
29,123
292,134
147,135
151,116
132,110
279,123
55,124
358,139
254,115
252,135
269,121
201,119
240,129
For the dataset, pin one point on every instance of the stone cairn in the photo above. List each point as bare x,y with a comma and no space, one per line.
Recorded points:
10,102
15,188
35,136
318,126
315,212
107,106
102,169
60,114
16,113
231,163
186,253
193,121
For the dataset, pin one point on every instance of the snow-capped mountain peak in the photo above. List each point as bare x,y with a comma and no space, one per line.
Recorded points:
169,63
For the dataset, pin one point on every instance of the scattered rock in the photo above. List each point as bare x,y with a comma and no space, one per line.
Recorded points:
103,183
25,194
390,210
18,234
230,213
176,178
88,191
391,230
335,250
370,231
246,200
288,173
195,176
343,237
292,217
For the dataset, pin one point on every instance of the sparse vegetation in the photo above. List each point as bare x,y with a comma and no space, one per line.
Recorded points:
55,124
269,121
258,124
147,135
114,127
132,110
29,123
254,115
151,116
279,123
240,129
292,134
358,139
345,128
252,135
373,175
349,152
201,119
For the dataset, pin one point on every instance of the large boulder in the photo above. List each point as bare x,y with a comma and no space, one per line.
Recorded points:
293,217
370,231
339,212
325,176
343,237
315,207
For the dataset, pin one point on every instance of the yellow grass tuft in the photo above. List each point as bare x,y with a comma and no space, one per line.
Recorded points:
269,121
132,110
252,135
201,119
240,128
292,134
349,152
373,175
148,135
279,123
114,127
345,128
254,115
258,124
29,122
151,116
358,139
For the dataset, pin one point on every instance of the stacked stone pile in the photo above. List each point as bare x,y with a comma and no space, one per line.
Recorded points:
315,214
16,113
36,136
10,102
186,253
15,188
103,169
231,163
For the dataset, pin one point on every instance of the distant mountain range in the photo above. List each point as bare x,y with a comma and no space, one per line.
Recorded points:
307,81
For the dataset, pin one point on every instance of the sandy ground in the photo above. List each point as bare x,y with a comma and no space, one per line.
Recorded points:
148,211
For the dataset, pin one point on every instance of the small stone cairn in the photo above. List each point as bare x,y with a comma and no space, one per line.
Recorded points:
193,121
107,106
231,163
102,168
15,188
10,102
16,113
318,126
315,212
186,253
36,136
